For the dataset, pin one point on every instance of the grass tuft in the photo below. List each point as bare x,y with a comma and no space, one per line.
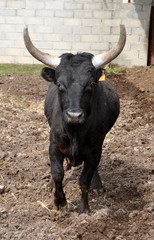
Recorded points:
16,69
115,69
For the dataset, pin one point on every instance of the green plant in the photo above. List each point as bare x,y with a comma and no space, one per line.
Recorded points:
115,69
16,69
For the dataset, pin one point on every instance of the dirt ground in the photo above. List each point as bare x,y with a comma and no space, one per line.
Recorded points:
125,211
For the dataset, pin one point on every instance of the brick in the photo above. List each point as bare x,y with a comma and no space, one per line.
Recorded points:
55,5
83,14
2,35
129,6
5,43
117,1
52,37
7,12
2,51
139,46
132,54
72,22
61,45
100,47
83,47
44,45
44,13
132,38
126,14
43,29
81,30
101,30
112,22
123,61
13,36
25,60
132,23
17,28
18,44
62,29
2,4
127,46
66,25
35,4
33,20
7,59
36,36
90,38
26,12
139,62
143,39
142,1
102,14
109,38
15,4
111,6
138,31
15,20
92,22
73,6
142,54
62,51
92,6
115,30
72,38
2,19
64,14
53,21
14,52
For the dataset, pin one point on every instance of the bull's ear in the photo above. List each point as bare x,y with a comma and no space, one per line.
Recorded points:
48,74
98,74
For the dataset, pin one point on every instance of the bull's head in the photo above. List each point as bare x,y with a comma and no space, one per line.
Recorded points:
75,76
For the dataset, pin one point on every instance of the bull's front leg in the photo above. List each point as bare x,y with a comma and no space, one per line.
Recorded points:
90,166
57,171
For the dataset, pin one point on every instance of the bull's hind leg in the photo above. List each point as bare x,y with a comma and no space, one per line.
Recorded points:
96,183
57,171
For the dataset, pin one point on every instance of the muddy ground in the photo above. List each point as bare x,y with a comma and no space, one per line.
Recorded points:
125,211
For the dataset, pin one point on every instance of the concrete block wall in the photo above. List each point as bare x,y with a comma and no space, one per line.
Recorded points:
74,26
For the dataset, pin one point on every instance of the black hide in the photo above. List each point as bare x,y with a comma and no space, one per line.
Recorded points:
80,111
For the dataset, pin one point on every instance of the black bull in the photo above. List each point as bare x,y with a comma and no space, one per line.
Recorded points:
80,110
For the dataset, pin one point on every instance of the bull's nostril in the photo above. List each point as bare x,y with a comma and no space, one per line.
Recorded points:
74,115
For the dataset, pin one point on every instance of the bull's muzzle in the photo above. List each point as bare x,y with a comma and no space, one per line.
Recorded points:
74,117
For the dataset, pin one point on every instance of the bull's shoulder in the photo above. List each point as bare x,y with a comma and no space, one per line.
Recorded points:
51,106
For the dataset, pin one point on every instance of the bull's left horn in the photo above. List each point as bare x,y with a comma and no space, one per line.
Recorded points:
102,59
47,59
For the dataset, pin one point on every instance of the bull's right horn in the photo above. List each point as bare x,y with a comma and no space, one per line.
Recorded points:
47,59
102,59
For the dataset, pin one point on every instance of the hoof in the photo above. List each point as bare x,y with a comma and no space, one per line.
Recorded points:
63,208
61,204
98,191
84,209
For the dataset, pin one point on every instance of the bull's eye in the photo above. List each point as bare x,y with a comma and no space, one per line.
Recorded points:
89,87
61,87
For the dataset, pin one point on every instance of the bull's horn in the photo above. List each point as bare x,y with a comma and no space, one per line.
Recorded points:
47,59
104,58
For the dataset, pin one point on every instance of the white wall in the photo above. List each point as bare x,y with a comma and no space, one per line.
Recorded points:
58,26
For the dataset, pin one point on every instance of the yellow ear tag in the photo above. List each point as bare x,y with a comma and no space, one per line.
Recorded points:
102,77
